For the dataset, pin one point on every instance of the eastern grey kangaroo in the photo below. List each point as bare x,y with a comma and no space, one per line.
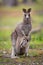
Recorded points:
22,35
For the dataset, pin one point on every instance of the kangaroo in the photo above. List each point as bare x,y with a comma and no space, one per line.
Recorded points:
23,30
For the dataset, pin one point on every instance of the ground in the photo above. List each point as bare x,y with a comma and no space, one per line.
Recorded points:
30,60
10,17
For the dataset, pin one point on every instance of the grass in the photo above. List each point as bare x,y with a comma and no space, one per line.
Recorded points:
8,23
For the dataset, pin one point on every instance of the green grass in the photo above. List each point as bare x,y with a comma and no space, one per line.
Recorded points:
8,24
5,40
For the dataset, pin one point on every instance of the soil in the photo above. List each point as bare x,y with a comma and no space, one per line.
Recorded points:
30,60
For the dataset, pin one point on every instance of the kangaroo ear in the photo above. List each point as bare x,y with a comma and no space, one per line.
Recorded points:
29,10
24,10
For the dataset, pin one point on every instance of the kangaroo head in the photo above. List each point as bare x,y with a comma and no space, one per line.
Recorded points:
26,14
23,42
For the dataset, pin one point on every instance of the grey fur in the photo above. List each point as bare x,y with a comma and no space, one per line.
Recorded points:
23,30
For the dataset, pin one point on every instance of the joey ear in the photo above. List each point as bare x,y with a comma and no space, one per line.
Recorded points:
29,10
24,10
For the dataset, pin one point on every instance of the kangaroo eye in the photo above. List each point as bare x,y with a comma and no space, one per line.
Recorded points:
29,15
25,15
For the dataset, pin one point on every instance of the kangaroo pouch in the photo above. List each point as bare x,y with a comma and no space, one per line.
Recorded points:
20,46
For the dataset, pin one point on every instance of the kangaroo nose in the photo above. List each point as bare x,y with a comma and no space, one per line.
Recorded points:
27,18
